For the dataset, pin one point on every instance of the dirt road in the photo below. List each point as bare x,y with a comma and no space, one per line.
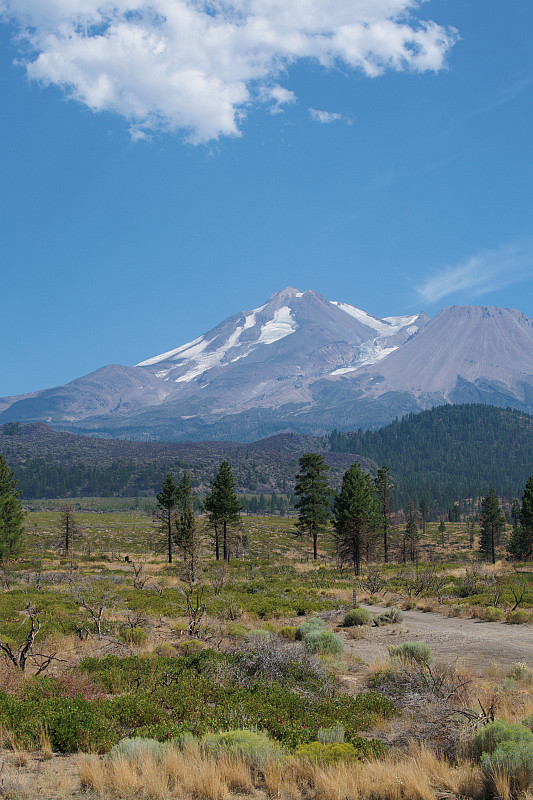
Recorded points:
477,644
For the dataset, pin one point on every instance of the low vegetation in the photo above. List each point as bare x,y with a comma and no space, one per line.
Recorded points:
158,670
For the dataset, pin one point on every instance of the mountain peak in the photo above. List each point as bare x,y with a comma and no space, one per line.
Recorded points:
286,294
303,363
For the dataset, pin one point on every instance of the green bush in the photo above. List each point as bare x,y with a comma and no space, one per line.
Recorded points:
323,641
394,615
333,735
491,736
406,652
133,635
328,753
521,672
514,759
288,632
138,747
492,614
259,633
72,723
236,631
306,627
256,747
357,616
528,722
518,617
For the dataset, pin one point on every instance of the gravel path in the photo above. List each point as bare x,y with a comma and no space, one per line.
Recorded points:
476,644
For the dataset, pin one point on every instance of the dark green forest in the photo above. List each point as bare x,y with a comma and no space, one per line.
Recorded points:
443,456
450,453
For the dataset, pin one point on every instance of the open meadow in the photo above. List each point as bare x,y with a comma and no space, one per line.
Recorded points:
270,675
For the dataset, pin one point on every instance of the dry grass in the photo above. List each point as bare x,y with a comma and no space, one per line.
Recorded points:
180,775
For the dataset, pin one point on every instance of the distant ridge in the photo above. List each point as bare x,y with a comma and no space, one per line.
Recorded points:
441,455
298,363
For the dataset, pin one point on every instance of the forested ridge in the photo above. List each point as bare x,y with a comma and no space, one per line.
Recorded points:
450,452
441,456
53,464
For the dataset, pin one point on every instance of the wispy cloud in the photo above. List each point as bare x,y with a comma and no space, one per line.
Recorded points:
485,272
325,117
200,65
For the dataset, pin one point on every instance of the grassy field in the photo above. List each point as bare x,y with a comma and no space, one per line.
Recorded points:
252,673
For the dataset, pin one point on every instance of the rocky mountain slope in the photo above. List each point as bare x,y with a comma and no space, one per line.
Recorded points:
298,363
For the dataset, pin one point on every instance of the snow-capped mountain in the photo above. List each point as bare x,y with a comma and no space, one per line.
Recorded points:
294,335
303,363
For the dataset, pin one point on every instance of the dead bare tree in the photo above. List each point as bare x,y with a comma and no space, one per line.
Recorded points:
19,656
95,595
195,608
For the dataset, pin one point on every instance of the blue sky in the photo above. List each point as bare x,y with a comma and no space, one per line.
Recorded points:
164,167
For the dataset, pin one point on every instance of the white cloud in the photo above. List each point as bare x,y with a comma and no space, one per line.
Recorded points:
278,96
324,116
198,65
485,272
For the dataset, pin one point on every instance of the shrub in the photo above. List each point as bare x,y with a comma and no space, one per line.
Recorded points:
288,632
164,650
256,747
521,672
492,614
491,736
518,617
274,660
138,747
528,722
133,635
406,652
328,753
236,631
394,615
357,616
324,641
333,735
306,627
259,633
514,759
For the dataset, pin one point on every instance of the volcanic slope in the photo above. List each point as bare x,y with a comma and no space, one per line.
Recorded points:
299,363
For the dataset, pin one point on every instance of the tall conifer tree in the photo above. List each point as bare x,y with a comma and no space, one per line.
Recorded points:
187,535
223,506
521,542
11,513
313,497
492,524
167,500
384,487
354,514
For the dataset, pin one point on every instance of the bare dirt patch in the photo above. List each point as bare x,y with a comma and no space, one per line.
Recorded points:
476,644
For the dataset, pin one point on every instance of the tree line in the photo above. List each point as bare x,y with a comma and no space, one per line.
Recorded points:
357,517
448,452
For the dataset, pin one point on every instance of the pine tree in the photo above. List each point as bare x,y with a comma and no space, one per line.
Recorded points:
11,513
187,535
521,542
411,537
8,484
68,523
223,507
442,531
384,487
492,524
313,497
354,515
167,500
